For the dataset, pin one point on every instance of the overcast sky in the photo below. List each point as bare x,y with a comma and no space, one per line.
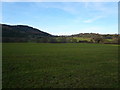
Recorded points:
63,18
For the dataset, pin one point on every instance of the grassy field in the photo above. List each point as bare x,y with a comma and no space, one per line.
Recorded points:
68,65
82,39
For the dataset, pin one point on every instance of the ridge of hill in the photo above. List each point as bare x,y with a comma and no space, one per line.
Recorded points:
21,33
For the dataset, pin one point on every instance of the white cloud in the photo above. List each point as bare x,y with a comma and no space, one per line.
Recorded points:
102,9
93,19
86,4
67,7
105,9
77,20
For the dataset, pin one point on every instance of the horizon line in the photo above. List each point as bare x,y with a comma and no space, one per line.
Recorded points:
58,35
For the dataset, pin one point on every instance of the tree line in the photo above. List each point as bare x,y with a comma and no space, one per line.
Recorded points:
64,39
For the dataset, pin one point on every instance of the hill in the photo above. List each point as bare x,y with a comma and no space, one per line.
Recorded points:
24,33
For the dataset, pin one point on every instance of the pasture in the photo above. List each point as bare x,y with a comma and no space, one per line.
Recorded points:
59,65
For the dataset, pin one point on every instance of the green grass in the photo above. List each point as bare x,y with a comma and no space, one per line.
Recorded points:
40,65
109,40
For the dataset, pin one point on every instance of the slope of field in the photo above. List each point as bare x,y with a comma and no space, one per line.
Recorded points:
34,65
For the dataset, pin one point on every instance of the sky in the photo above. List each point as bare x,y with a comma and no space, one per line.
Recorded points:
63,18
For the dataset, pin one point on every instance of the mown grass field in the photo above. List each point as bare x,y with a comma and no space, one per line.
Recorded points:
67,65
